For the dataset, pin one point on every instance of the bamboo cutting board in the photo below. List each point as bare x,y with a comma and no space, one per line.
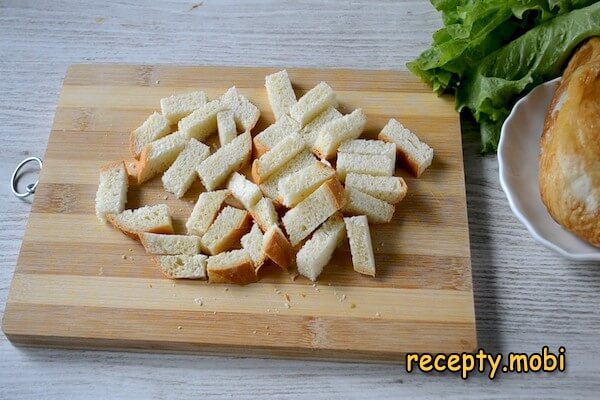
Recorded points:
79,283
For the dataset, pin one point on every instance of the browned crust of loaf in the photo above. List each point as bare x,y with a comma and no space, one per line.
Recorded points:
572,127
166,229
336,190
132,139
363,271
112,165
131,168
233,237
255,173
403,190
142,164
242,273
404,158
261,223
259,147
278,248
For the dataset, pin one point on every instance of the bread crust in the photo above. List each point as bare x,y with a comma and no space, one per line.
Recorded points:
570,147
338,196
241,273
406,159
166,229
259,147
278,248
255,173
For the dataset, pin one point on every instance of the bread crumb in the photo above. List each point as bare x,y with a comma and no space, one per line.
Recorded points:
293,276
166,197
198,301
101,271
227,289
130,249
277,291
268,310
314,284
329,284
157,81
352,305
150,285
378,314
179,327
343,297
303,295
124,257
254,331
266,326
287,305
287,297
316,289
268,333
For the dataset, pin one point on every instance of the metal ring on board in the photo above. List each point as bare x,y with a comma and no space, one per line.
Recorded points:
30,189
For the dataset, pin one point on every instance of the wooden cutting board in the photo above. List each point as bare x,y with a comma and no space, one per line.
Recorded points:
79,283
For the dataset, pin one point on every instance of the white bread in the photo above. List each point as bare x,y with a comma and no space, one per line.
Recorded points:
131,168
227,229
391,189
280,93
206,209
270,188
201,123
230,158
274,133
155,127
335,132
245,113
156,243
359,203
179,106
246,192
359,236
276,158
226,127
182,266
367,164
181,174
314,102
414,153
302,220
277,247
299,185
231,267
112,190
252,242
362,146
157,156
153,219
264,214
311,130
318,250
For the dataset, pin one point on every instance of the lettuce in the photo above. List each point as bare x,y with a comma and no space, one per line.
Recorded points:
538,55
477,43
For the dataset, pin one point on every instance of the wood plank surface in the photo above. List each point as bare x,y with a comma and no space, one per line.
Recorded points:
71,269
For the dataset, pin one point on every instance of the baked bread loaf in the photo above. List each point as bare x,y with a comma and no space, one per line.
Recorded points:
277,247
246,192
181,105
359,237
231,267
205,211
252,242
218,166
182,173
387,188
157,156
226,231
414,153
297,186
155,127
112,190
276,158
314,102
359,203
310,132
182,266
570,147
245,113
264,214
337,131
226,126
275,133
280,93
156,243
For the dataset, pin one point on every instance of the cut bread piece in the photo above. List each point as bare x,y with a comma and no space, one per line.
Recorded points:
206,209
359,236
359,203
201,123
274,133
270,188
155,127
153,219
156,243
231,267
131,168
252,242
245,191
230,158
314,102
276,158
182,266
112,190
414,153
157,156
318,250
367,164
374,147
277,247
311,130
179,106
264,214
299,185
335,132
226,231
226,127
311,212
280,93
181,174
245,113
391,189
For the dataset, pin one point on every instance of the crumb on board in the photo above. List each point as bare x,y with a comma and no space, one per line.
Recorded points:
179,327
277,291
352,305
198,301
343,297
157,81
293,276
268,333
130,249
287,297
214,313
254,331
377,314
302,295
287,305
150,285
266,326
124,257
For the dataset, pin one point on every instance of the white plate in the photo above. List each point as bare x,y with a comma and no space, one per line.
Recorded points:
518,153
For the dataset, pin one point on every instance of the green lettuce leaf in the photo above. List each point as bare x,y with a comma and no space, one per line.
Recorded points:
538,55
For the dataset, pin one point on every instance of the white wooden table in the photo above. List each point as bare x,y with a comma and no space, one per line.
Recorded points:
526,296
